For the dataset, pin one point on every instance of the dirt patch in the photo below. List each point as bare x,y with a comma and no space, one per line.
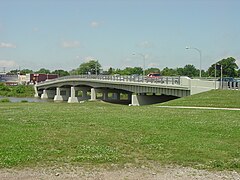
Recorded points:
127,173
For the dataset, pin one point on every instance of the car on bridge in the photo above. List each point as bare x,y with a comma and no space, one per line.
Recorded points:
153,77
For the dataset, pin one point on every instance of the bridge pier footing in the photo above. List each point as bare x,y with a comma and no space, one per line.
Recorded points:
62,94
48,94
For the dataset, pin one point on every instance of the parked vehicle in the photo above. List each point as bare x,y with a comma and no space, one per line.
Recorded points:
228,79
230,82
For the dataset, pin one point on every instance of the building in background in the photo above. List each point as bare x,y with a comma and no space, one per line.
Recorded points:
36,78
14,80
11,80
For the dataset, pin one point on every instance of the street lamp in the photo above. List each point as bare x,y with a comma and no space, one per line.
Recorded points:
221,80
144,59
200,53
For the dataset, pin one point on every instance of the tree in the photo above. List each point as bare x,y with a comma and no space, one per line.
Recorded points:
60,72
89,67
73,72
168,72
130,70
13,72
180,71
229,68
190,70
238,73
43,71
26,71
111,71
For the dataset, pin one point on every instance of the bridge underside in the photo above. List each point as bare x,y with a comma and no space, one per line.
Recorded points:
121,94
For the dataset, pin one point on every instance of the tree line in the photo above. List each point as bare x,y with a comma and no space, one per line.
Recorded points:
229,69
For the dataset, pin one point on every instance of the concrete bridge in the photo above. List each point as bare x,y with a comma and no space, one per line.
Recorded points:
131,90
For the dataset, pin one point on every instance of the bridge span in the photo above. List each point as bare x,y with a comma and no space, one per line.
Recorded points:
131,90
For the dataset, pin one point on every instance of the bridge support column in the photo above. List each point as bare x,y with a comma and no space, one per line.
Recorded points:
105,95
129,97
58,96
116,96
93,94
84,94
48,94
36,92
73,98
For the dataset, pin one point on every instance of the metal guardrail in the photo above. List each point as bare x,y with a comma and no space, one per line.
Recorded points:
120,78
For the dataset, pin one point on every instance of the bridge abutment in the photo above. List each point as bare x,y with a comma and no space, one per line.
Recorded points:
143,99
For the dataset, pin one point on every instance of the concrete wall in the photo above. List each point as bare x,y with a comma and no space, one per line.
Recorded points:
197,86
138,100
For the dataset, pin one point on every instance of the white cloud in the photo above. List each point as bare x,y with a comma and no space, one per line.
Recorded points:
8,63
70,44
145,44
95,24
7,45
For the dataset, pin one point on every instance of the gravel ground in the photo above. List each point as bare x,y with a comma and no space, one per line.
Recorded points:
130,173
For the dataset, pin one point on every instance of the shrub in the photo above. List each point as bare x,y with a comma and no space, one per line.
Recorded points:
20,89
3,87
4,100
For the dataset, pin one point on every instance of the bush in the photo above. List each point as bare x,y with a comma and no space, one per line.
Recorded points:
3,87
4,100
20,89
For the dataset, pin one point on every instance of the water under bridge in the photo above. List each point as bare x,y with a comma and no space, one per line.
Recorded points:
133,90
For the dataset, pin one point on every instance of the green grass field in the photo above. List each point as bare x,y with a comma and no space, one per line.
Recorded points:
214,98
101,134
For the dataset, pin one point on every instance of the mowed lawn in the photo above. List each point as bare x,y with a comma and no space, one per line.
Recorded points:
213,98
98,133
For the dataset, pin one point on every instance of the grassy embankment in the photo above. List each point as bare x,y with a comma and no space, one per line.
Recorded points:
96,133
16,91
214,98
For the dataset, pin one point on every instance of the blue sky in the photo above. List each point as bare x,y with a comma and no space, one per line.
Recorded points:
62,34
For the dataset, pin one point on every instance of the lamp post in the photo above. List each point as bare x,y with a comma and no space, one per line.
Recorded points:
144,59
200,54
96,67
221,80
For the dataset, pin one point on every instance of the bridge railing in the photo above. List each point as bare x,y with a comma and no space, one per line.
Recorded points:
123,78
